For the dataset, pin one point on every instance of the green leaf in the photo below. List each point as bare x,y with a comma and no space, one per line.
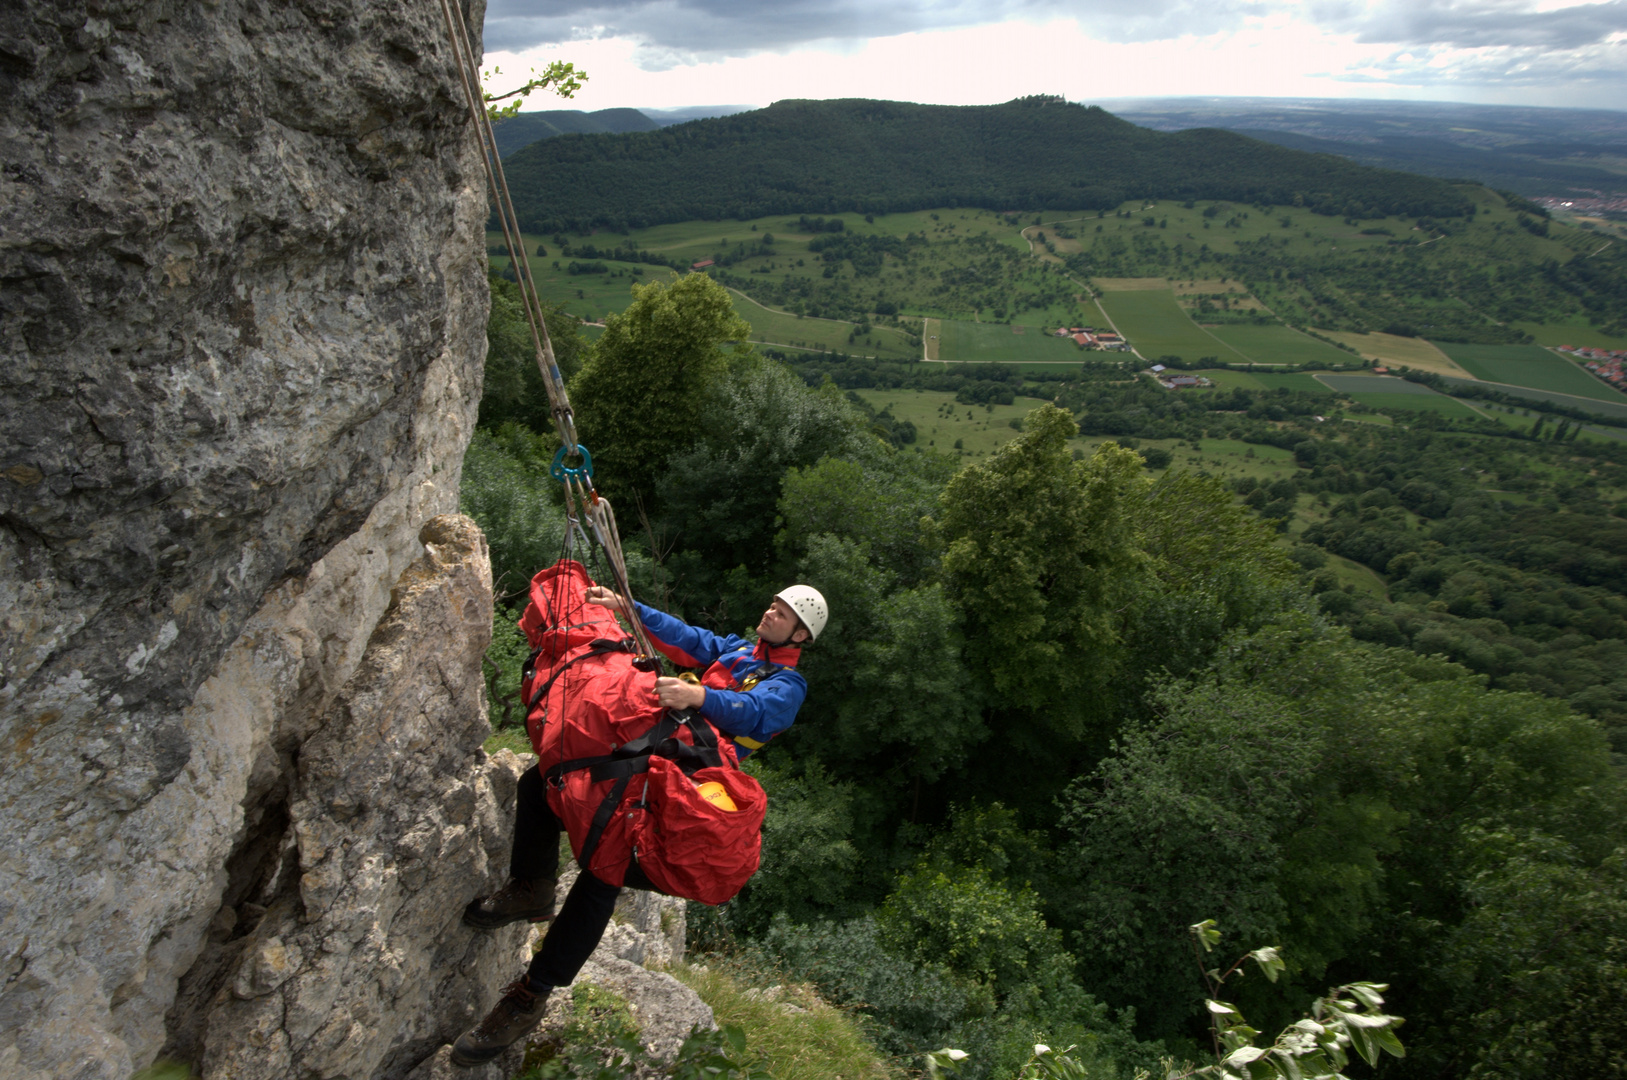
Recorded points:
1389,1042
1270,961
1207,934
1219,1008
1369,994
1243,1055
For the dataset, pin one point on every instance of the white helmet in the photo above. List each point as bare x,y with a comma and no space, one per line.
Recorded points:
808,605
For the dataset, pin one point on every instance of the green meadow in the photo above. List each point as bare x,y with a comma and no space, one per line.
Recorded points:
1528,365
1278,344
966,342
1432,402
771,327
1155,326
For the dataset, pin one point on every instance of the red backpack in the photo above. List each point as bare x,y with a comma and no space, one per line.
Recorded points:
624,773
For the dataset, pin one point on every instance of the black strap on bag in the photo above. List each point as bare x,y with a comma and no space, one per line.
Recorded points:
632,758
597,647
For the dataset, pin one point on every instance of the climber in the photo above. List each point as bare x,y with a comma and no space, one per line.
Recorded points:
750,692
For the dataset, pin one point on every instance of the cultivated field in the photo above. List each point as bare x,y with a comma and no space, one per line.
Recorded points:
1279,344
1576,332
1430,402
1155,326
1303,383
1404,351
1529,365
965,343
772,327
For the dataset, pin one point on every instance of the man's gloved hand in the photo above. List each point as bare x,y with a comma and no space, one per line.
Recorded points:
604,597
677,694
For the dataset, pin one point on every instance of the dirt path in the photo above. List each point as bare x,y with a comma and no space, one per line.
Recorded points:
931,342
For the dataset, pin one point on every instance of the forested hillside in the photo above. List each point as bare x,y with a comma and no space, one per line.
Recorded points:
884,156
1073,698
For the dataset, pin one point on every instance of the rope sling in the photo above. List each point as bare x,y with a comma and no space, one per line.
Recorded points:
582,502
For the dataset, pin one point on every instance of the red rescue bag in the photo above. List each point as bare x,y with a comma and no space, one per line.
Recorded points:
624,773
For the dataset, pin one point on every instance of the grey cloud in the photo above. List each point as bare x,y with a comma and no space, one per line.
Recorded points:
1500,69
684,31
1471,25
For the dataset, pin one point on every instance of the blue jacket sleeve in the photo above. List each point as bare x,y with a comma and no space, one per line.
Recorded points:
761,712
687,645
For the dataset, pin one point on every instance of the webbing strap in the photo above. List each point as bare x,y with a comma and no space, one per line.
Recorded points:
632,758
598,647
607,810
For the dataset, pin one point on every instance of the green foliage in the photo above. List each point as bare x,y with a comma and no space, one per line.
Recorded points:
507,490
560,77
968,923
887,673
1312,790
504,659
809,863
1022,153
1039,556
513,391
510,498
757,422
1314,1048
640,397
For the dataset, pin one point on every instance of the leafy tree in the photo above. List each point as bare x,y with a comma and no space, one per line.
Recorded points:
1039,554
757,422
513,390
640,397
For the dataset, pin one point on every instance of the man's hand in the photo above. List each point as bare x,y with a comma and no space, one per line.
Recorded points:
677,694
604,597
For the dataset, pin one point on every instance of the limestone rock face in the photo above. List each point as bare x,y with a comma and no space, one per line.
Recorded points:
242,311
360,965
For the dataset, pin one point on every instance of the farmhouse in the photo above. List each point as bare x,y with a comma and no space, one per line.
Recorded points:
701,265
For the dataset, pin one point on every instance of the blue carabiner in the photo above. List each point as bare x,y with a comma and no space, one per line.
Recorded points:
559,471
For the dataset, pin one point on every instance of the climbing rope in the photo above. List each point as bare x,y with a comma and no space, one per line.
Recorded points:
586,511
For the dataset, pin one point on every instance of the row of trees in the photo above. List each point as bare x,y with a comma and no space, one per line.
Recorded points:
1065,708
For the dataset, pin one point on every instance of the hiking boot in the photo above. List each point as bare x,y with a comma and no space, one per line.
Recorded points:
510,1020
533,900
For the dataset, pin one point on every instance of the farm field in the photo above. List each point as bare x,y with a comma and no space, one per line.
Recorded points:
1529,365
1279,345
1291,381
1404,351
963,342
1572,333
1155,326
1372,384
1592,405
1430,402
832,335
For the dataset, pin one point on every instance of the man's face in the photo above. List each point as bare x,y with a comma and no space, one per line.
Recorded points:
779,621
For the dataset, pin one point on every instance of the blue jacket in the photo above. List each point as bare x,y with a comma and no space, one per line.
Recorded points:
750,717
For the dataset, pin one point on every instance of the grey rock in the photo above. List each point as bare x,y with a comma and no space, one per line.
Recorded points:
242,310
350,972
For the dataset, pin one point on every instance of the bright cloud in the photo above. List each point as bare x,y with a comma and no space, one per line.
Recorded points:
670,53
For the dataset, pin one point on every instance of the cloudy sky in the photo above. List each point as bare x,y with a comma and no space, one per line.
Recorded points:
672,53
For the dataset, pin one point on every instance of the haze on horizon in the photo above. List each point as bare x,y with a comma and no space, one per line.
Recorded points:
675,53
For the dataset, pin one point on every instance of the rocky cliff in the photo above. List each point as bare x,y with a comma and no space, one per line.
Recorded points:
242,306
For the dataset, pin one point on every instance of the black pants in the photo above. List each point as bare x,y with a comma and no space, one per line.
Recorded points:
586,912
